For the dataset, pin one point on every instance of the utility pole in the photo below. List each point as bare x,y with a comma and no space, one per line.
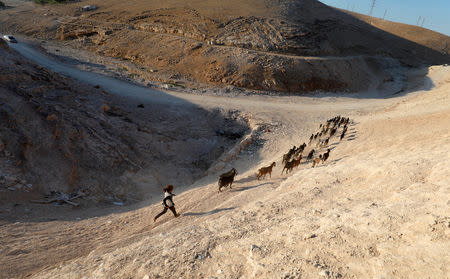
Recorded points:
418,20
385,11
372,6
423,21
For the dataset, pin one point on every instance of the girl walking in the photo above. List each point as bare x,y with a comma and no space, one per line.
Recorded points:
167,202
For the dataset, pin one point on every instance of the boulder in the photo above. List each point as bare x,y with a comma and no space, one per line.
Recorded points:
89,8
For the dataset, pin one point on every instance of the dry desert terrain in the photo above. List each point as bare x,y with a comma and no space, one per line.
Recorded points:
102,143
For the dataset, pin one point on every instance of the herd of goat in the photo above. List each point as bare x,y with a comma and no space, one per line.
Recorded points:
294,156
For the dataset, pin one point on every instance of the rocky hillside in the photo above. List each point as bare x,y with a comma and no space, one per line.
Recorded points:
257,44
59,135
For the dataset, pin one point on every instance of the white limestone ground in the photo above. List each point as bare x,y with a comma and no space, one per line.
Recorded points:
378,208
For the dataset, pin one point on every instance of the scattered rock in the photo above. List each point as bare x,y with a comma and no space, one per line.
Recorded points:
203,255
89,8
11,180
309,236
255,248
114,111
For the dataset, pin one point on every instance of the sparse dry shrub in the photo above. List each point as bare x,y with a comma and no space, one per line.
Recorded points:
104,108
116,162
56,133
73,175
68,155
50,1
81,134
52,117
78,134
26,146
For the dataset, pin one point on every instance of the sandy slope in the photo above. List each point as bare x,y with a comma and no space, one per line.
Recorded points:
379,207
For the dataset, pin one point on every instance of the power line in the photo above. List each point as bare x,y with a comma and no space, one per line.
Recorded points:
372,6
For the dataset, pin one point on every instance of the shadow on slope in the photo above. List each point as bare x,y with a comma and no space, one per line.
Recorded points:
217,210
59,135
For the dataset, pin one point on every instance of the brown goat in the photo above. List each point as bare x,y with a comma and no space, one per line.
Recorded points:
316,161
286,158
266,170
297,161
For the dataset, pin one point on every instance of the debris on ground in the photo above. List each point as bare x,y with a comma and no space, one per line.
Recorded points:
61,198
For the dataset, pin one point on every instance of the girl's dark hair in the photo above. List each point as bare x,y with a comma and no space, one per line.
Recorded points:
168,188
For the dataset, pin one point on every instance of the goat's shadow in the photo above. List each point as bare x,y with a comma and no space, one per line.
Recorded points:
332,145
240,189
337,160
208,212
246,179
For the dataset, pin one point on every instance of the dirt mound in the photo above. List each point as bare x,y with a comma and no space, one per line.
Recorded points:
253,44
59,135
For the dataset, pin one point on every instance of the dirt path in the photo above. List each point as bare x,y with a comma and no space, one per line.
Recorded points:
126,89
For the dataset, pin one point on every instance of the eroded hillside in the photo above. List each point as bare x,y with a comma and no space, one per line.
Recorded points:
255,44
60,135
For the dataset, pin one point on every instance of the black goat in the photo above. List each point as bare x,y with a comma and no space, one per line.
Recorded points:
310,155
227,178
326,155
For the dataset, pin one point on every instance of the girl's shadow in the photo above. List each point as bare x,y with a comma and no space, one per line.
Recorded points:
209,212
